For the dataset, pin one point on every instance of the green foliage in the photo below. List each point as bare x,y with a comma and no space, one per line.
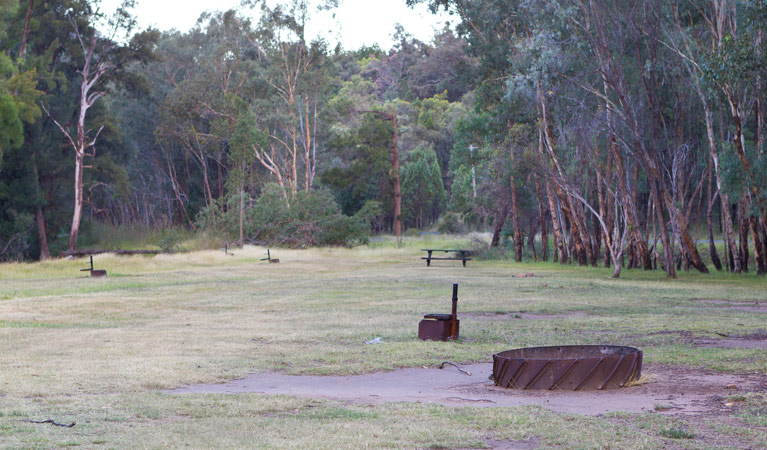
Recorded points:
169,241
451,223
364,171
677,432
309,219
483,251
423,194
11,129
17,97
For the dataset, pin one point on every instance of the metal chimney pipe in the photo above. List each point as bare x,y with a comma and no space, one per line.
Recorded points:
455,301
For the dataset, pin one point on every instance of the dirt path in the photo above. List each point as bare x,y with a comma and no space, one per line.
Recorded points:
677,390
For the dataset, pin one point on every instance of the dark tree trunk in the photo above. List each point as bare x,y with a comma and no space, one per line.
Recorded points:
758,248
25,34
743,221
500,220
531,240
712,244
518,238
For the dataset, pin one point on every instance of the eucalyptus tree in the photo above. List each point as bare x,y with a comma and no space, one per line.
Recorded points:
733,60
294,74
101,61
206,102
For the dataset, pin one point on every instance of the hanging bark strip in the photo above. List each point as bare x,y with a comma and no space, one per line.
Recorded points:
636,239
518,239
559,248
542,212
565,202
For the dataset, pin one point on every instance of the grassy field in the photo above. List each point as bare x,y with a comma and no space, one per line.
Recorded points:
96,351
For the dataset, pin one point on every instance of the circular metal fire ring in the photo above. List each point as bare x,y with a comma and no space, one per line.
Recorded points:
567,367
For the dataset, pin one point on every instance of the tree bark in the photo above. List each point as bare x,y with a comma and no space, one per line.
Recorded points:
564,201
25,34
559,251
544,228
498,226
636,239
394,150
78,207
742,220
604,213
242,213
668,247
518,238
90,77
395,176
758,248
724,200
709,210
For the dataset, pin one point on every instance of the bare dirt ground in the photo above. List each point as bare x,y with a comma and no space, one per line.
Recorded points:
680,391
749,306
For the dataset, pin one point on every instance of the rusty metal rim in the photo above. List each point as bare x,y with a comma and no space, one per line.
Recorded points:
567,367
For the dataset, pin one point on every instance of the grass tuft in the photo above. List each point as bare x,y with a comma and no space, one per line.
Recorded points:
677,432
645,378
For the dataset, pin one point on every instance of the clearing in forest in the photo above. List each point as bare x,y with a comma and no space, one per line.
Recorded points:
290,340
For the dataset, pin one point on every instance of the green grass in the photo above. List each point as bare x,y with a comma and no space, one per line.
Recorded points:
678,432
94,351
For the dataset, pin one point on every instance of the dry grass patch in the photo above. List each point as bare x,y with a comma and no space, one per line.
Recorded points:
71,346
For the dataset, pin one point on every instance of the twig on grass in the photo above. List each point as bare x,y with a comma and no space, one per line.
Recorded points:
442,366
52,422
471,399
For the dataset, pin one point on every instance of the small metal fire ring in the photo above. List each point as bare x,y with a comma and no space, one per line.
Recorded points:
567,367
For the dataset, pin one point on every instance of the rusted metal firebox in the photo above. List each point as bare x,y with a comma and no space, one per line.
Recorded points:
269,257
567,367
95,273
441,327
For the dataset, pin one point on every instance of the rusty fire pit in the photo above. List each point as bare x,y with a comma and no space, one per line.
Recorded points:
567,367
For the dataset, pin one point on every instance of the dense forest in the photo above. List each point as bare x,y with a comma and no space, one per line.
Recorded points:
592,132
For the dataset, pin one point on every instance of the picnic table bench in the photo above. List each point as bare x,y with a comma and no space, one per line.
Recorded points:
459,255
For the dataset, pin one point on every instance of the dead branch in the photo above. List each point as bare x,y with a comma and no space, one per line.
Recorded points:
442,366
52,422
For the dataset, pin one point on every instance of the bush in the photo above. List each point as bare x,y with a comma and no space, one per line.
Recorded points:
451,223
482,250
306,219
224,222
169,241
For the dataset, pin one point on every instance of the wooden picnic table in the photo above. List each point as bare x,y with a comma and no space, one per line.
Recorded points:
460,255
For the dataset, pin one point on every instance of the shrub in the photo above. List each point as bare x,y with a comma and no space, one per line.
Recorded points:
303,220
169,241
482,250
451,223
677,432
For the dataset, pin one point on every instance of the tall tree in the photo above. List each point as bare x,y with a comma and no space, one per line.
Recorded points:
101,60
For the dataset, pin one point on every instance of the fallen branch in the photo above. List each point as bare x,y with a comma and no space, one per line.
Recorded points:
50,421
442,366
116,252
471,399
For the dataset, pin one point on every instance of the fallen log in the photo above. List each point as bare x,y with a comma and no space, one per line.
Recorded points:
116,252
